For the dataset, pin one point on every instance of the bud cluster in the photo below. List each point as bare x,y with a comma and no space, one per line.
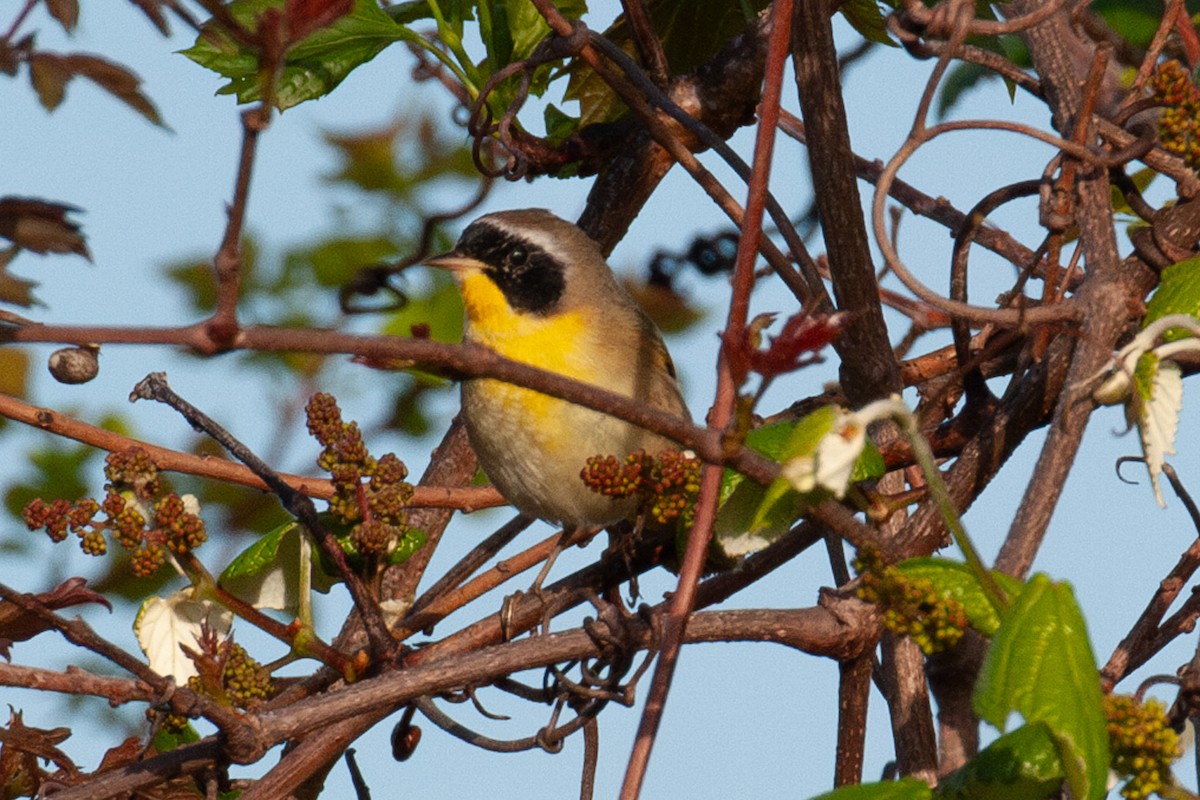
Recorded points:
1143,745
370,494
666,486
136,511
1179,122
911,607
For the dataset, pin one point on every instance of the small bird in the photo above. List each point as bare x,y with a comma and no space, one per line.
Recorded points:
537,289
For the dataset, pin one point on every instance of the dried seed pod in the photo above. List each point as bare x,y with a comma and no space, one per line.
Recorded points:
75,364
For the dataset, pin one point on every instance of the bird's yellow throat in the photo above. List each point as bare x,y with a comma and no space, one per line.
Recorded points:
550,342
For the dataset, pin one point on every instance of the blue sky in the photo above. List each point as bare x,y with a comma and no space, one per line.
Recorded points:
743,720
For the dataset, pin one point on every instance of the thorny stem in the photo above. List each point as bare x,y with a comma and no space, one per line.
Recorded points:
683,600
154,387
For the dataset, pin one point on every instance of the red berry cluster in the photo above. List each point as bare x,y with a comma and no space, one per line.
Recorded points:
1179,123
370,494
911,607
133,491
1143,745
666,485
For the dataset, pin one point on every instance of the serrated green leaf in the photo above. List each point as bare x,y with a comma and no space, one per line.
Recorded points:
1177,293
1041,666
903,789
866,17
1022,765
956,580
313,67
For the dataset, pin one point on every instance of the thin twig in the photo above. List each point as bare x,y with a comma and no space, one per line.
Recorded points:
154,387
465,498
683,600
1143,638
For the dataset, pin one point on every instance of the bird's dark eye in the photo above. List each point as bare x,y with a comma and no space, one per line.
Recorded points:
517,257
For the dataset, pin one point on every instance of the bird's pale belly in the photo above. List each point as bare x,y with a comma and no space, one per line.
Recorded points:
508,425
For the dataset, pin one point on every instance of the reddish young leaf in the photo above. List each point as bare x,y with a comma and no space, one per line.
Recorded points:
41,226
49,77
17,625
14,290
154,10
305,17
20,773
797,345
51,72
127,752
65,11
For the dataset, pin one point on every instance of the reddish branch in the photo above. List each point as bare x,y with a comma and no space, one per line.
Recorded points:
465,498
721,416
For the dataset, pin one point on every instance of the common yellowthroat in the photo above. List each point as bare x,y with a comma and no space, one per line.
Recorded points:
536,289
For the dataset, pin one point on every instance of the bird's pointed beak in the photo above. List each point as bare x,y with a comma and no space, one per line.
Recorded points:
455,262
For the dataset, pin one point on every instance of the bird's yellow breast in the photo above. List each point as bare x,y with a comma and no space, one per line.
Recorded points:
553,342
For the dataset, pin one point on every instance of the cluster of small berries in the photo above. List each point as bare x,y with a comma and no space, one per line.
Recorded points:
370,494
1179,122
666,485
242,681
911,607
1143,745
133,495
227,674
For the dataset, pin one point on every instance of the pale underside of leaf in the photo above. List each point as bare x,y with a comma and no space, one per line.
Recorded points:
1158,420
162,625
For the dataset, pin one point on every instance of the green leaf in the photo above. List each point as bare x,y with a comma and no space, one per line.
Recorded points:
413,541
751,516
409,11
267,573
866,17
903,789
1142,180
58,471
312,68
1022,765
441,309
333,262
955,579
559,124
1178,293
167,740
1041,665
